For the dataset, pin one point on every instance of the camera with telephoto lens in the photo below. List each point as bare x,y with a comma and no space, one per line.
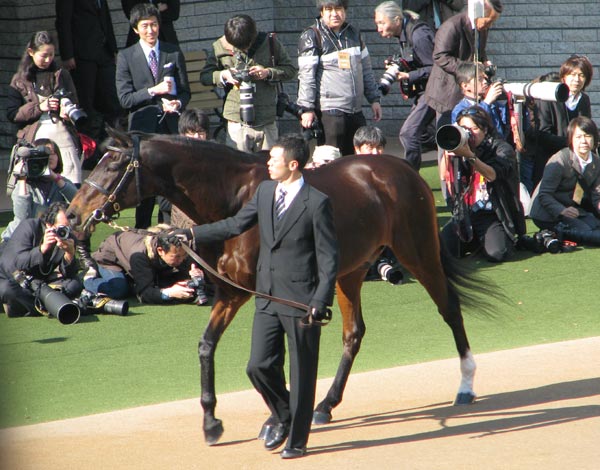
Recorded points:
103,304
247,89
62,231
541,242
315,131
394,65
48,300
75,113
388,272
197,283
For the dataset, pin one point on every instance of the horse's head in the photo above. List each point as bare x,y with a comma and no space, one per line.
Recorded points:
111,186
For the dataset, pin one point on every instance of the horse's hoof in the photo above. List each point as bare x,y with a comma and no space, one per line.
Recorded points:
464,398
214,433
320,417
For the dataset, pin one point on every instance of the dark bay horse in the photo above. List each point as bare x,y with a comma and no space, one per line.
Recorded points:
377,200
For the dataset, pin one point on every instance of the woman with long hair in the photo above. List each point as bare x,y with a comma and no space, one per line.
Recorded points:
40,101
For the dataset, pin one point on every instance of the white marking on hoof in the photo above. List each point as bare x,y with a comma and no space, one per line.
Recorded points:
467,369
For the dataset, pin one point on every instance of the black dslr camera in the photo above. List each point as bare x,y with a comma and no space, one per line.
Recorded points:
315,131
247,89
393,65
103,304
197,283
541,242
75,113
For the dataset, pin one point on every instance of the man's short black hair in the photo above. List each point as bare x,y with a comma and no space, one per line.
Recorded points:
49,217
496,5
294,148
143,11
193,120
240,31
586,125
332,3
371,135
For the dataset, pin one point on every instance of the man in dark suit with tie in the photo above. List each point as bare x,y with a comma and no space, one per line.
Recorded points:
297,261
152,84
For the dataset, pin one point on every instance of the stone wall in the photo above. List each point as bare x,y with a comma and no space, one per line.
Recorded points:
531,38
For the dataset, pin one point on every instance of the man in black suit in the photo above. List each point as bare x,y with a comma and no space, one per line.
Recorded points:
88,48
297,261
152,84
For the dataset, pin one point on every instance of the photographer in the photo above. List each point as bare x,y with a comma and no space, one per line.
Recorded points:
334,74
569,192
40,99
241,62
493,219
155,265
42,248
415,40
33,194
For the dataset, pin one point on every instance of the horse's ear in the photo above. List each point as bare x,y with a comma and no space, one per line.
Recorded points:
121,138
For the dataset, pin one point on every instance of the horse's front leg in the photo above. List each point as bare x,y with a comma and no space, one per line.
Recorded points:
223,312
348,294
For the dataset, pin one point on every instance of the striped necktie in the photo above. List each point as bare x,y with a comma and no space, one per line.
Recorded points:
280,203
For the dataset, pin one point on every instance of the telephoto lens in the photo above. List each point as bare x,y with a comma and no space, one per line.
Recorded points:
389,272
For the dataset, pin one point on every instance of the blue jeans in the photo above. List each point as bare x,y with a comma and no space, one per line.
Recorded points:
114,284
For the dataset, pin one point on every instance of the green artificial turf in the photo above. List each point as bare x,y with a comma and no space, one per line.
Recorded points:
51,371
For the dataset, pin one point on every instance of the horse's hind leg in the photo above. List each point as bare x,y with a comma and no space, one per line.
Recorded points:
432,275
348,295
222,314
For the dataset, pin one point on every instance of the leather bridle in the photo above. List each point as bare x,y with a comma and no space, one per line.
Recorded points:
132,169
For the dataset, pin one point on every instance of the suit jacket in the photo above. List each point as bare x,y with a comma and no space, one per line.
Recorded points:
133,78
166,31
298,260
85,31
555,191
454,44
22,253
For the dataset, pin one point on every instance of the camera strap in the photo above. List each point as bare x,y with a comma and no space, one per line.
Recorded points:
271,38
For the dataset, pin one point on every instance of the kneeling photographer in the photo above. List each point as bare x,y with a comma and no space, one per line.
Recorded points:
567,200
152,263
40,252
486,212
248,64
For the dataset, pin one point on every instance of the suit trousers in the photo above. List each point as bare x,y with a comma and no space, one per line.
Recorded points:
339,129
266,370
413,129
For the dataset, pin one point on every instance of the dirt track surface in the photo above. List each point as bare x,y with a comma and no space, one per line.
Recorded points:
538,408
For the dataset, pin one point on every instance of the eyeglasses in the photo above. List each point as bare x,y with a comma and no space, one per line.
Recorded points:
467,112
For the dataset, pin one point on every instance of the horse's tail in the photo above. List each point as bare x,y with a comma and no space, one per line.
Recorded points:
475,292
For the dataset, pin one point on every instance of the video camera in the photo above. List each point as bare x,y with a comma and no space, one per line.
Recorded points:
315,131
35,160
75,113
394,65
55,302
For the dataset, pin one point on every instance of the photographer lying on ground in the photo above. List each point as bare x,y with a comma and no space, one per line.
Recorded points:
490,215
155,265
567,200
42,248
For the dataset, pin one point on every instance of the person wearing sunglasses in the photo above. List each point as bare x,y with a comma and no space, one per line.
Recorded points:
493,220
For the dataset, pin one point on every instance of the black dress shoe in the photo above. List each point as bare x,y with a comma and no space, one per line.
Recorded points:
278,434
293,452
265,432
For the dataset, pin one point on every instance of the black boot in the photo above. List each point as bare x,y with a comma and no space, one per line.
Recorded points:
88,265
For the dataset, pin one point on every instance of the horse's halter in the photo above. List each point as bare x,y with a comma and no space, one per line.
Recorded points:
99,215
